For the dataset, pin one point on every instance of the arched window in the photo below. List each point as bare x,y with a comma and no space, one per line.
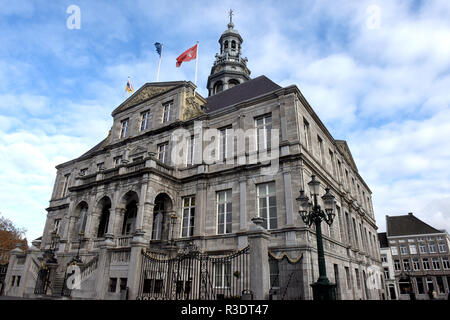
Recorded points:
226,44
104,217
129,221
232,83
233,44
218,87
160,229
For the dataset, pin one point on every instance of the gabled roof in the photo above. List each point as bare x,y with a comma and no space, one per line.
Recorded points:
240,93
382,238
407,225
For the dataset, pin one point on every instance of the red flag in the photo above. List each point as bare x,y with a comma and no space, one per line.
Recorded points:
188,55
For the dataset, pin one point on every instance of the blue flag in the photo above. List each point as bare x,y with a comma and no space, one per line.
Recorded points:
158,48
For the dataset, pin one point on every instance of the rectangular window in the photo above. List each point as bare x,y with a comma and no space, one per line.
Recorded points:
420,286
225,143
347,180
347,276
358,279
222,272
263,126
333,165
190,151
355,232
422,248
112,284
224,212
436,264
18,280
403,250
123,284
124,129
386,273
426,264
100,166
383,258
145,118
56,224
406,265
445,264
65,185
274,274
13,281
321,155
412,249
167,115
442,247
187,229
267,204
394,251
397,266
307,133
117,161
432,248
163,152
416,264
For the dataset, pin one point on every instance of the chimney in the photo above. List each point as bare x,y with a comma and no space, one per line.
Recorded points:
410,213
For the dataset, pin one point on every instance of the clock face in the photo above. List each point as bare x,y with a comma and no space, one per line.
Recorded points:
218,68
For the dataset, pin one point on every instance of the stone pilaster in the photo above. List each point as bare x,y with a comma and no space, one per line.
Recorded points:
258,239
135,265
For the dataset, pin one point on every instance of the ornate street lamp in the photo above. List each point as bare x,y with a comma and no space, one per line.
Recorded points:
77,259
311,212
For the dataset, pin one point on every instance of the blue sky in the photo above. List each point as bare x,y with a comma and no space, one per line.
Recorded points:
376,73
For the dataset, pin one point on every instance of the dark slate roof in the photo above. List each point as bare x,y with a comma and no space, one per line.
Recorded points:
407,225
382,238
240,93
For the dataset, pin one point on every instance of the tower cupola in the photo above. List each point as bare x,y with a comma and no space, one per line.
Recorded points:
229,68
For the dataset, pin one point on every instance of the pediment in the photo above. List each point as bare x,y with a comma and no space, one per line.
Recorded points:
146,92
138,150
345,150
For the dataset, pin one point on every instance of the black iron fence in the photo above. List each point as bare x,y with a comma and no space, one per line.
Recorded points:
194,276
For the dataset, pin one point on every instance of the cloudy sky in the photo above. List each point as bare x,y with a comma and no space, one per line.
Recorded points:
376,73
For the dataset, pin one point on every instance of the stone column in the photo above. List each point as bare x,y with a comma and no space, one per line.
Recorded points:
134,268
104,258
140,213
242,240
200,208
258,239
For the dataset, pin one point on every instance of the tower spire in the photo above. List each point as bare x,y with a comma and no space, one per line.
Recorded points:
230,68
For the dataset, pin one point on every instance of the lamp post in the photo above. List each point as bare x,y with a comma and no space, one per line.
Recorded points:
173,221
311,212
80,240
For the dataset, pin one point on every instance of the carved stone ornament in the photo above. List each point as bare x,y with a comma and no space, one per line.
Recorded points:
143,95
192,108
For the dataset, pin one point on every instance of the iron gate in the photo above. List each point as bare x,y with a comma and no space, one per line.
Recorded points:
42,280
194,276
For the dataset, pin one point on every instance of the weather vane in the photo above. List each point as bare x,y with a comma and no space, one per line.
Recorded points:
231,15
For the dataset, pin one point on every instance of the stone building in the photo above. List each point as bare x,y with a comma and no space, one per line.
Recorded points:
180,174
420,258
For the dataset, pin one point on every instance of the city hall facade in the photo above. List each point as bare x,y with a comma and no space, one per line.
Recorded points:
165,206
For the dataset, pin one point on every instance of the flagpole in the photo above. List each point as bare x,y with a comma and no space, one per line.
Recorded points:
159,64
196,68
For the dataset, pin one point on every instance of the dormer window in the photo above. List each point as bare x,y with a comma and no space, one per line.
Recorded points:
124,129
167,111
